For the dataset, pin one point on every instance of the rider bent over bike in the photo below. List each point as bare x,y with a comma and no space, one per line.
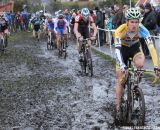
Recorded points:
81,29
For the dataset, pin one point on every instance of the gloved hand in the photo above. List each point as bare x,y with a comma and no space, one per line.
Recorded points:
80,38
93,38
156,71
122,67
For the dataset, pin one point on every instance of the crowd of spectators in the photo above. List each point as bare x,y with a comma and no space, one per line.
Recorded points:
109,18
112,17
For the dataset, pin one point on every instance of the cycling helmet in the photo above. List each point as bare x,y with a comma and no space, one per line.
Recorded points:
85,13
60,16
133,13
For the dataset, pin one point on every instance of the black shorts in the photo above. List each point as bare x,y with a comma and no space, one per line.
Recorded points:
2,28
84,32
130,52
37,27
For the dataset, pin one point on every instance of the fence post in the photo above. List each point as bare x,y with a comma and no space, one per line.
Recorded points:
110,43
98,38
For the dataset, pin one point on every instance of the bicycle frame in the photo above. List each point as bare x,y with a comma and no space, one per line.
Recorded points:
86,65
62,51
133,78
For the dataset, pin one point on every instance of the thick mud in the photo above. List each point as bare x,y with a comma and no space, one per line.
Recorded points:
40,91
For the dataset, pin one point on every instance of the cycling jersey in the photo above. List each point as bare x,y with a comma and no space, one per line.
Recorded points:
61,26
50,25
124,38
83,28
82,23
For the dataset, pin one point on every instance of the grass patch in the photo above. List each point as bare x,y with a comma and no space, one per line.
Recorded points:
151,78
19,36
104,56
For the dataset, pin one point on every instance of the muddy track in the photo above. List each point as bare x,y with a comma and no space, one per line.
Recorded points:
39,91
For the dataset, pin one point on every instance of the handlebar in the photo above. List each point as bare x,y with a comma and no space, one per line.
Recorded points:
132,70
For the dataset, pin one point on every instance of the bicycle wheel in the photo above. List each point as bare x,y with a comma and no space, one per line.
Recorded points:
64,53
2,46
129,101
47,45
138,115
5,41
121,118
83,64
89,65
123,109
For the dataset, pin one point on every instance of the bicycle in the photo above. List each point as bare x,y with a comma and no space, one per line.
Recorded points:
51,41
132,108
62,51
86,62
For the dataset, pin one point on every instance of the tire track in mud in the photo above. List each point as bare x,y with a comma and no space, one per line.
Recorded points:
42,92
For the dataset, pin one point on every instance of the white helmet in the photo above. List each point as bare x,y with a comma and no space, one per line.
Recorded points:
133,13
85,13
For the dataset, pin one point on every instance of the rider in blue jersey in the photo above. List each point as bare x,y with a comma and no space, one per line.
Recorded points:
61,29
50,26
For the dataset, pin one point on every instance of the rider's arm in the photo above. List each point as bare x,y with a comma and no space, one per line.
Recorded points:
118,45
146,35
93,25
152,51
95,29
55,25
76,30
76,27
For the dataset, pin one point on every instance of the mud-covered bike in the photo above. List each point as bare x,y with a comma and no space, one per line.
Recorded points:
51,43
132,108
86,62
62,52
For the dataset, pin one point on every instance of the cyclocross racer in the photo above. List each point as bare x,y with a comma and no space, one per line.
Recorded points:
127,45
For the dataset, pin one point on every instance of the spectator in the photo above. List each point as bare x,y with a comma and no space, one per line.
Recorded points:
117,19
125,7
18,21
149,21
100,23
158,18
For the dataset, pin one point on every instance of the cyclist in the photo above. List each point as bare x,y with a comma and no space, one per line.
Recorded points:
36,21
61,29
127,45
4,29
81,29
50,26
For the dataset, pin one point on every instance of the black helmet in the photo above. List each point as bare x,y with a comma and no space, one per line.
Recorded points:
61,16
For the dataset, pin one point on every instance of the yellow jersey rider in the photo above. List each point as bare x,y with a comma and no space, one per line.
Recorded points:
127,45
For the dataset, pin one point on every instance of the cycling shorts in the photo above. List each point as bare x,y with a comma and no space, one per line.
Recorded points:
130,52
84,32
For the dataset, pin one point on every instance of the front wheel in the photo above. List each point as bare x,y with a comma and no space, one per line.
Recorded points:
90,67
138,116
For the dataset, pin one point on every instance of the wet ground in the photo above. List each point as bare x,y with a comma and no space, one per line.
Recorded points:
39,91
